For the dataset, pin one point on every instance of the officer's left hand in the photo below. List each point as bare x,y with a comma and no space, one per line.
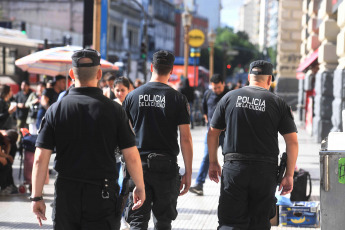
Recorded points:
185,184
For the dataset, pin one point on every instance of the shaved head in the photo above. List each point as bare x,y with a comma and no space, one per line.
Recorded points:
258,78
85,74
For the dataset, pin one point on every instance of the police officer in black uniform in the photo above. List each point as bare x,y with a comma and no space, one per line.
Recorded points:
157,111
252,117
85,127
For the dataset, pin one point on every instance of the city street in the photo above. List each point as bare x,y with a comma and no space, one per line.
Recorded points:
195,212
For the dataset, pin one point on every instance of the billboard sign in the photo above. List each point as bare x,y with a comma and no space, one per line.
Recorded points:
177,75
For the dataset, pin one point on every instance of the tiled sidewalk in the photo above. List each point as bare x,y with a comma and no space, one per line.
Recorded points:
195,212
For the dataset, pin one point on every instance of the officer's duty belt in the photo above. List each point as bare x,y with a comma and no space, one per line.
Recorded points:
250,157
167,155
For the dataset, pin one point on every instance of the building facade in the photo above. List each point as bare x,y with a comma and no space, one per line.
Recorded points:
64,20
268,29
288,49
250,19
210,10
323,36
53,20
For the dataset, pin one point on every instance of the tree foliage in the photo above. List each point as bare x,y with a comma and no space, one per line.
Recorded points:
226,41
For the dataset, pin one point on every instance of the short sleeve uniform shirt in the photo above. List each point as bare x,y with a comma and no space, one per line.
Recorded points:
156,110
85,127
252,117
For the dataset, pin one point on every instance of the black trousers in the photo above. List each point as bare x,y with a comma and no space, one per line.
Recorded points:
5,170
162,191
247,195
80,205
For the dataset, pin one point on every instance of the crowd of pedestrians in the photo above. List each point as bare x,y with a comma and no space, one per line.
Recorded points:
128,124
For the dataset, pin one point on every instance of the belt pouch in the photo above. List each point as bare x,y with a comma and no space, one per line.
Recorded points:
159,163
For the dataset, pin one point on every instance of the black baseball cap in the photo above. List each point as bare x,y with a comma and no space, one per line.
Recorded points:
94,55
163,57
265,66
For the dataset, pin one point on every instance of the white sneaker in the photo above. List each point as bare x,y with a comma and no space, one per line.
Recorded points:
6,191
124,224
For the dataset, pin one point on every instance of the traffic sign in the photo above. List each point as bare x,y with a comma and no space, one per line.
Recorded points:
196,38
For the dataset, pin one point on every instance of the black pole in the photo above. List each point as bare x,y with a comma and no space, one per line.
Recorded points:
87,23
4,60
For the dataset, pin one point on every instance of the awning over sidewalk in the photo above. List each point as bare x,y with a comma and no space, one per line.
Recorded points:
19,42
307,62
14,38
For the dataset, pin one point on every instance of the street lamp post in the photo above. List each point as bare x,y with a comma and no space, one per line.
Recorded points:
211,40
96,24
186,22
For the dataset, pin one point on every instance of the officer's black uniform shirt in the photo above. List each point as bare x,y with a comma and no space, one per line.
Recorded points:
156,110
210,101
85,127
252,117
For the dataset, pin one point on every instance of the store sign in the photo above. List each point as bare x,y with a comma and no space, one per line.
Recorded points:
196,38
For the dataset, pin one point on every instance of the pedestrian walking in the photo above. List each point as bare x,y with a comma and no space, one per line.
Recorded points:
33,103
188,91
85,127
252,117
50,96
6,108
211,98
157,111
108,89
22,111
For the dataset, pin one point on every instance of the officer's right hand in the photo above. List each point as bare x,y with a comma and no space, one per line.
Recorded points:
39,208
139,197
214,171
186,181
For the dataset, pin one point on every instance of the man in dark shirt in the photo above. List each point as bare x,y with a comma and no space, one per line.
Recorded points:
21,98
210,101
85,127
157,111
252,117
49,96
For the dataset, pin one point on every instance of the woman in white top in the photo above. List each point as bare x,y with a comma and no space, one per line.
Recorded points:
121,89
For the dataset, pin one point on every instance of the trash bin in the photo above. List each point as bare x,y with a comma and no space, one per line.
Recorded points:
332,189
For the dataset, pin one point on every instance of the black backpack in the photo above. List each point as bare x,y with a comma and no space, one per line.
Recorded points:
300,184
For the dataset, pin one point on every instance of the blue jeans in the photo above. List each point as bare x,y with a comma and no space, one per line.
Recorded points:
203,171
40,114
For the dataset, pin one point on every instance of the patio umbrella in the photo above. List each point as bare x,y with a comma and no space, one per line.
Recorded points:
54,61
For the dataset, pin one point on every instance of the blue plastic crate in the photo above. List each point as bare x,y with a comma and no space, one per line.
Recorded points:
301,214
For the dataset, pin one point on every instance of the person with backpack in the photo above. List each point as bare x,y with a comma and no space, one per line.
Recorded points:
210,101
